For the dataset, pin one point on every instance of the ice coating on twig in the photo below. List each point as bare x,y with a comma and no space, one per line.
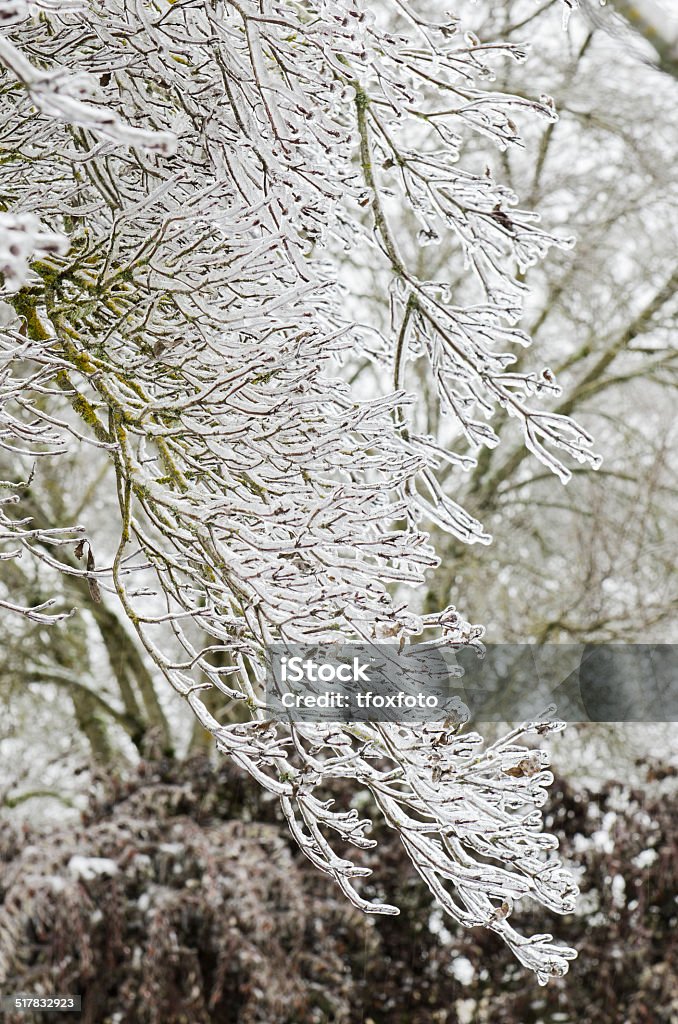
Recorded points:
204,161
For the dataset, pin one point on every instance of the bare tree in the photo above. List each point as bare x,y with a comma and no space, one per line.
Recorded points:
593,562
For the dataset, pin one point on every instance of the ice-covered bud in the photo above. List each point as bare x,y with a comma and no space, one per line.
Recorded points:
21,238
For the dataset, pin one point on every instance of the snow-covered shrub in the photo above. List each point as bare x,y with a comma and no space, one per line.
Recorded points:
210,915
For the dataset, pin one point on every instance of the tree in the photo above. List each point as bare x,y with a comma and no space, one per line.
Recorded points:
593,562
182,175
654,21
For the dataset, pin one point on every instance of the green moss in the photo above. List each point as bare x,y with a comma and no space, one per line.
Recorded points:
24,305
254,487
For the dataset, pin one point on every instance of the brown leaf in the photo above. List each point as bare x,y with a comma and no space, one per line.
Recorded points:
94,589
525,768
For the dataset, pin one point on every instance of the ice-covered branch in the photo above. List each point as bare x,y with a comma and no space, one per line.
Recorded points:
194,331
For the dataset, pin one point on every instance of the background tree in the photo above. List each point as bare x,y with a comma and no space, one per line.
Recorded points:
654,21
592,562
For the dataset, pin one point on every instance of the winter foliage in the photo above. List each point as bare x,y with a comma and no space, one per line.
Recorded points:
183,178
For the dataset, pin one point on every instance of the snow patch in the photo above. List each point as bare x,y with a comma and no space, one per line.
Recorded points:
87,868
